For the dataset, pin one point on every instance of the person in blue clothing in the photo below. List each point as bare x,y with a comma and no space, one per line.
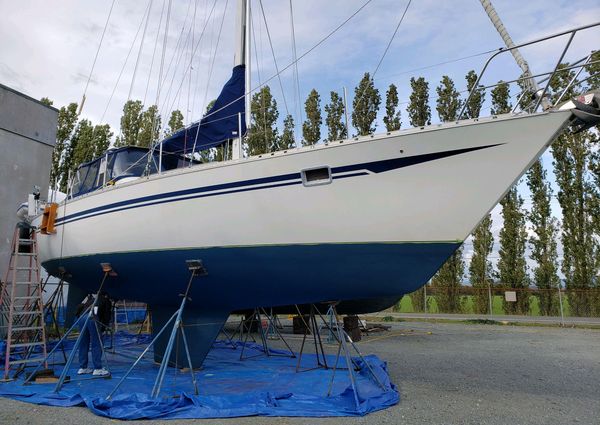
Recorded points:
90,336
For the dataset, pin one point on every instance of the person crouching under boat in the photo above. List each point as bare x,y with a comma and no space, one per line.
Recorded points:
90,334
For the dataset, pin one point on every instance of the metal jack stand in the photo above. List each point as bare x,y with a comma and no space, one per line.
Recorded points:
108,271
313,328
343,339
53,306
256,316
197,269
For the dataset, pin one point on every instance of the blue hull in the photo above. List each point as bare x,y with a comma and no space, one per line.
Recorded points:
247,277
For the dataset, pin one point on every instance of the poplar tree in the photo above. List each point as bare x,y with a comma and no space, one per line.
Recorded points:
149,129
447,282
263,133
102,136
392,114
571,153
419,112
46,101
512,267
286,141
501,99
175,122
593,83
130,123
311,128
448,101
336,130
480,268
475,102
365,106
67,119
83,144
543,241
448,279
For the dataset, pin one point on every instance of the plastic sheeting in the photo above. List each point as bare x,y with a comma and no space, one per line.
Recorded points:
228,386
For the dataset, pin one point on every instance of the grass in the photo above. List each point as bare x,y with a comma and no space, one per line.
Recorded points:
405,305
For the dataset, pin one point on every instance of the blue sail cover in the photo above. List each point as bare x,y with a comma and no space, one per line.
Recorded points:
220,123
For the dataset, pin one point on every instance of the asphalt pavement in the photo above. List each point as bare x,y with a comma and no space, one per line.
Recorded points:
447,373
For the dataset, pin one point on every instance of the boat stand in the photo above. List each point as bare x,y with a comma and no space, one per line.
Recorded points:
53,306
108,271
312,328
344,341
196,269
86,315
247,327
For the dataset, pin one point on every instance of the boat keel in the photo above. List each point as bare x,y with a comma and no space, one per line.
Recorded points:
201,327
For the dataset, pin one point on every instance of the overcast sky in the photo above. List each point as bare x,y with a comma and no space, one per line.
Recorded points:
47,48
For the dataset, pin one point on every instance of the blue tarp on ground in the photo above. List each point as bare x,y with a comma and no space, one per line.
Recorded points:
228,386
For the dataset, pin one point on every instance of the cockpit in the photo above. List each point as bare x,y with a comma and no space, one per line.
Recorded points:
123,164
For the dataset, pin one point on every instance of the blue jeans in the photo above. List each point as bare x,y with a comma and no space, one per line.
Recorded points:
89,335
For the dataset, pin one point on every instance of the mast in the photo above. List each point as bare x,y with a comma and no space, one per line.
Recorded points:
521,62
242,57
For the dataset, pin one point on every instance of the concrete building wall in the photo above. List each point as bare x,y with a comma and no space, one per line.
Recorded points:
27,137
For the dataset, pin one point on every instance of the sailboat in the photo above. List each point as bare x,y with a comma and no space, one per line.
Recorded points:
363,220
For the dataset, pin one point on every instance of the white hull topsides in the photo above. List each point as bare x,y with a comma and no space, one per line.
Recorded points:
436,200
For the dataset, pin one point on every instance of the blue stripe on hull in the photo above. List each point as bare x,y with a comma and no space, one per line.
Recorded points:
272,181
246,277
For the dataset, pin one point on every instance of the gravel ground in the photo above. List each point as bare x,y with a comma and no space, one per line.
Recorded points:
447,374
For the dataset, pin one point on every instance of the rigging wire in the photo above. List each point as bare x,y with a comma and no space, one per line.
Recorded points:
410,71
178,52
359,98
391,39
137,61
162,11
214,56
196,48
122,69
164,50
96,57
199,63
274,59
302,56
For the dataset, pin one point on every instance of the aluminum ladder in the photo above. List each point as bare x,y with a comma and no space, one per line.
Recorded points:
21,305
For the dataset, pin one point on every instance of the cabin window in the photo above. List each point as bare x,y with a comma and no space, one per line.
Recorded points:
316,176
